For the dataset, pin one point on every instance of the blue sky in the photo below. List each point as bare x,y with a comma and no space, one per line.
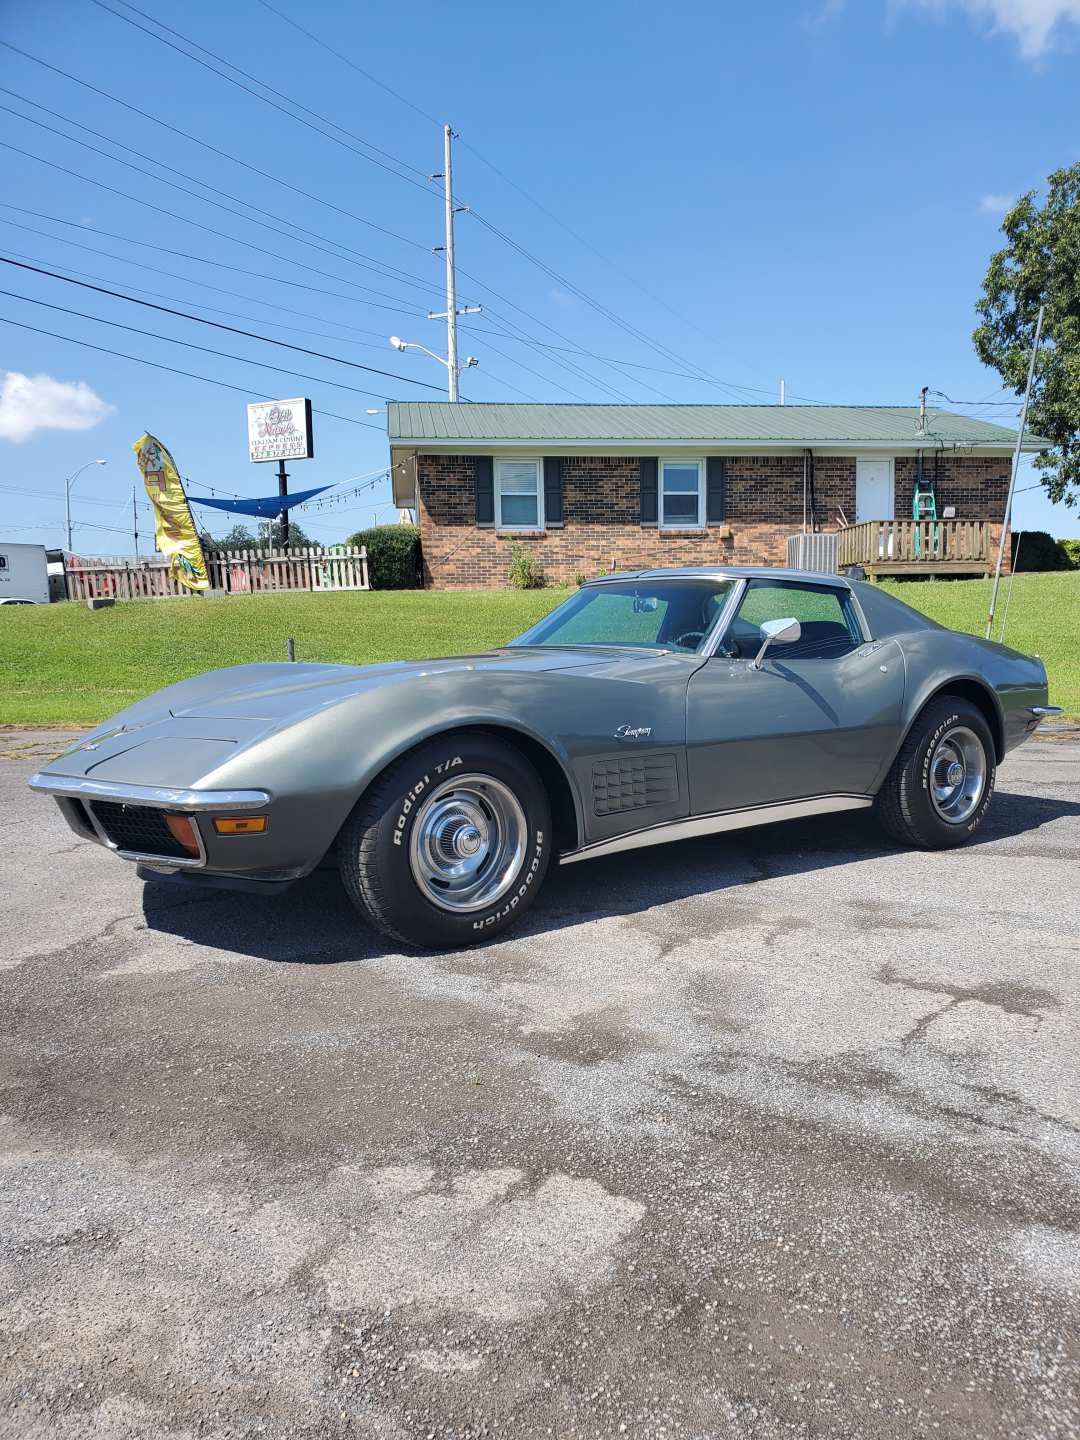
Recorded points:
801,190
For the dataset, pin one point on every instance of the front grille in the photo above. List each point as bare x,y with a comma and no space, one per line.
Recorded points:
140,828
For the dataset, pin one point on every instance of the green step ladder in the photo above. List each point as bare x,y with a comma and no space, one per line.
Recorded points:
924,507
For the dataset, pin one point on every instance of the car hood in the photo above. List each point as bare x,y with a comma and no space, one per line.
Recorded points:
182,734
285,691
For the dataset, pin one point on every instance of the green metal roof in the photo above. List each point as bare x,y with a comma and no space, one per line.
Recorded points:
413,422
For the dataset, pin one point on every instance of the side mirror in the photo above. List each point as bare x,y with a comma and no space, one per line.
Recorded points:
776,632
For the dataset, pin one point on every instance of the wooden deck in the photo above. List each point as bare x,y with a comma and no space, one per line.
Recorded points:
917,547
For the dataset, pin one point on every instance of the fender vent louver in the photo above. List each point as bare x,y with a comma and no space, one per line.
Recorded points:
620,785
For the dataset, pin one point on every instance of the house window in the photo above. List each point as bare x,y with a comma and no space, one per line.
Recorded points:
518,495
681,500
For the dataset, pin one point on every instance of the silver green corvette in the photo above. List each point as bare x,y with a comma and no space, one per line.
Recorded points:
654,706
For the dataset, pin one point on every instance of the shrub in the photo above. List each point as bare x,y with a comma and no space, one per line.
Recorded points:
1036,550
526,572
1072,552
579,579
393,556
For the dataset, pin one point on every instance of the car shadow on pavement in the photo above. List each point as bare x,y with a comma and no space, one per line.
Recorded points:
313,923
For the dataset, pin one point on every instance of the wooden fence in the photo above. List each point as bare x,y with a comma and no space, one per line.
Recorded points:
905,547
236,572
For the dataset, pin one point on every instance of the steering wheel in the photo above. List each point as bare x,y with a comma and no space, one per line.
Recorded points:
690,638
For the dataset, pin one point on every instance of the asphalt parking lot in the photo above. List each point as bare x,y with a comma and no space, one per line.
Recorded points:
769,1135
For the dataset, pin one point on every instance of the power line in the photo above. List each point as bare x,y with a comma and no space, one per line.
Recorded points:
512,183
701,375
236,160
215,324
362,261
199,259
34,260
583,373
992,404
56,495
198,224
374,79
261,95
587,299
35,265
325,119
214,309
172,370
190,345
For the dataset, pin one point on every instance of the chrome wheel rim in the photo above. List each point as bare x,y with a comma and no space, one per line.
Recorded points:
467,843
957,775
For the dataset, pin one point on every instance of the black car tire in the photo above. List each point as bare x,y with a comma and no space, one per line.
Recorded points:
905,803
377,846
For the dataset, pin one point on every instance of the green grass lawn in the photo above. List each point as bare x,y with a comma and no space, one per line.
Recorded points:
1043,619
62,664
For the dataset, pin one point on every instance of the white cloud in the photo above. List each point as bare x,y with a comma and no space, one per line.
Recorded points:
826,10
561,297
38,402
997,204
1035,24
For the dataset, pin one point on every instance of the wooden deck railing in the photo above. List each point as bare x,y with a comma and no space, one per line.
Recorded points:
239,572
891,546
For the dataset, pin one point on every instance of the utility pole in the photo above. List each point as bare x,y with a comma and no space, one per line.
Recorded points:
1015,467
453,370
782,388
134,520
451,278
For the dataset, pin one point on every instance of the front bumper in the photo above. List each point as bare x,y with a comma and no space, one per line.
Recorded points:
79,798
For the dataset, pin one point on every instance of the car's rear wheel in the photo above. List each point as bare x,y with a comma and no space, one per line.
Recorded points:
450,844
942,782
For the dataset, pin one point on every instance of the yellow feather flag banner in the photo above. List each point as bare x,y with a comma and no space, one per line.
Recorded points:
174,533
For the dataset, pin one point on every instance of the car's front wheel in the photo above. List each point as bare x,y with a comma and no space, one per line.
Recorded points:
941,783
450,844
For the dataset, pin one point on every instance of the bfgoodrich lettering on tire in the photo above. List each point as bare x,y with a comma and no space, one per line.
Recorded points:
449,846
942,782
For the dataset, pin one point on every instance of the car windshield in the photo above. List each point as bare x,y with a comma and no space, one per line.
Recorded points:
642,614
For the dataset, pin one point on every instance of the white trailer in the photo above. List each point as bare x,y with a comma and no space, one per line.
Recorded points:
24,573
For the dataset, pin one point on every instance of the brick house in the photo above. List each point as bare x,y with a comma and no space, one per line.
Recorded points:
597,487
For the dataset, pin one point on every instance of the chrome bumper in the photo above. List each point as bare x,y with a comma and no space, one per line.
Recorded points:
157,796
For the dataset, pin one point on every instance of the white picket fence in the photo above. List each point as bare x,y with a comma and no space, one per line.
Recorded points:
236,572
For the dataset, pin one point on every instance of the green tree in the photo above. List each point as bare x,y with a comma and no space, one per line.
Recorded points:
1040,265
296,536
238,538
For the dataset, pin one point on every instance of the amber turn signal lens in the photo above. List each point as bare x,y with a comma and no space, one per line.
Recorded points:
183,832
239,824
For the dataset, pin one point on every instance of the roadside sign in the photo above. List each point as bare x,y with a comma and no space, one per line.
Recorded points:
280,430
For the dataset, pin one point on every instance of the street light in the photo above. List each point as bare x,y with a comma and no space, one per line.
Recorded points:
396,343
67,493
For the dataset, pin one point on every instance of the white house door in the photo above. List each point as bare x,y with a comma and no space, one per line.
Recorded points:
873,490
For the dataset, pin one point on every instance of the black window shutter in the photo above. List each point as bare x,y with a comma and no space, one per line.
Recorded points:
485,490
715,488
650,467
553,490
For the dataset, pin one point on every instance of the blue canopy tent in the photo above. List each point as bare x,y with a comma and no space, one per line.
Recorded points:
266,507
